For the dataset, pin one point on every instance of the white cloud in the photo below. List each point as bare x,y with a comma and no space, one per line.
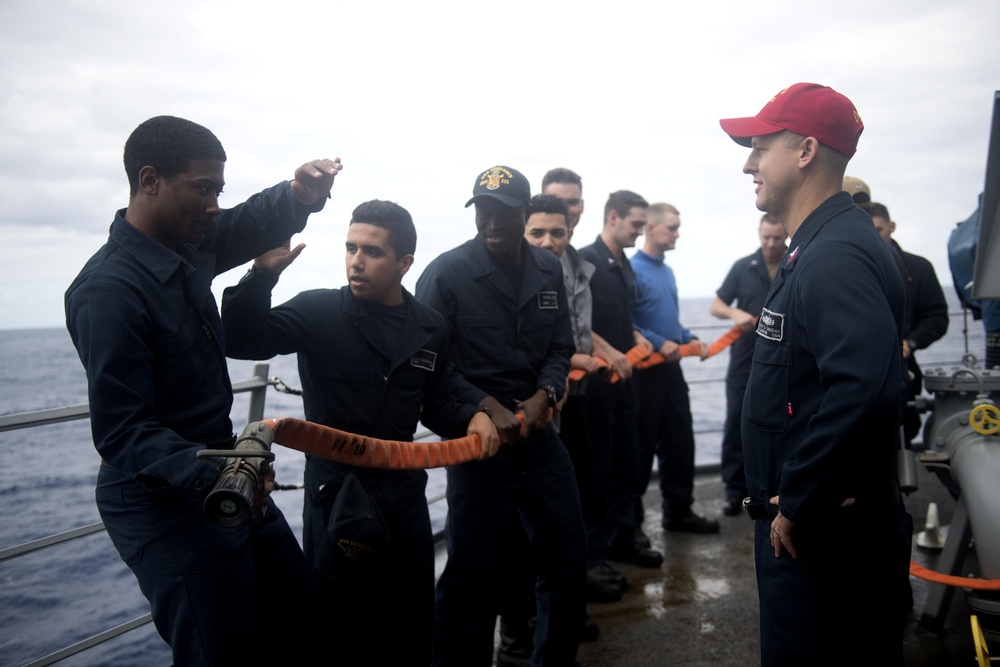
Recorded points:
417,98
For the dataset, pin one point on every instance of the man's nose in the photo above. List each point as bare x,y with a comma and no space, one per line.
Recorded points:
213,208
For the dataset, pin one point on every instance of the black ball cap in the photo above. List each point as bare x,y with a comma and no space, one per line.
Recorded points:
507,185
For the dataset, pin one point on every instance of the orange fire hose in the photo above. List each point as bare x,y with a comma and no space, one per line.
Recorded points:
634,356
331,443
638,357
918,570
361,450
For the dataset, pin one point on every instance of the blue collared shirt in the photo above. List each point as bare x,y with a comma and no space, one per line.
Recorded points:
657,314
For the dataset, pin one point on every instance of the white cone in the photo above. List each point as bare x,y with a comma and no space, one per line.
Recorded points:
933,535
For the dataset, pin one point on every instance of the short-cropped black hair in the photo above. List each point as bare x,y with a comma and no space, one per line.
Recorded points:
548,204
877,210
562,175
393,218
168,144
622,202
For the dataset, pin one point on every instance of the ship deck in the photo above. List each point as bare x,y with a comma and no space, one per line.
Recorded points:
700,607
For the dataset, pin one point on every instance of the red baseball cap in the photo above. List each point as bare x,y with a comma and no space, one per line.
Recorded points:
808,109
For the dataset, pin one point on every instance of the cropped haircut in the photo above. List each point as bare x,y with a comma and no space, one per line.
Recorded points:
549,204
837,161
168,144
877,210
622,202
661,209
769,219
393,218
562,175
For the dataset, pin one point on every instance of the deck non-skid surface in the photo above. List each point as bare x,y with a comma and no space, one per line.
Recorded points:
700,607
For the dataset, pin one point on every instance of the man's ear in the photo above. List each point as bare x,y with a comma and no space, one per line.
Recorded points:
405,262
149,180
808,150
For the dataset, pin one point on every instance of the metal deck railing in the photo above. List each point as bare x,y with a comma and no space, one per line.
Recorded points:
257,387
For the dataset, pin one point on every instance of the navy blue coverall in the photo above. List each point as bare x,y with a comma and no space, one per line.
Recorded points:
746,284
613,409
147,329
508,345
353,381
820,426
926,322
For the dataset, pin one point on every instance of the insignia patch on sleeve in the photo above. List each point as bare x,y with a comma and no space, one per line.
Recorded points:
771,325
424,359
548,300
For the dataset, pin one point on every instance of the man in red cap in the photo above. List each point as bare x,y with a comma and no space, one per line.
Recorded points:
822,405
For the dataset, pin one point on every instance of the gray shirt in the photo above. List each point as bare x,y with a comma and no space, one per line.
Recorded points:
577,273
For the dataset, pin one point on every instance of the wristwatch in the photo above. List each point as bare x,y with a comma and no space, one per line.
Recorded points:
550,391
483,408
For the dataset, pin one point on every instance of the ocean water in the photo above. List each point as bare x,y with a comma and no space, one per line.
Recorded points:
58,596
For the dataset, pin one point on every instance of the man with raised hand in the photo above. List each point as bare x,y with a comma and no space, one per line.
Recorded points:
143,319
373,361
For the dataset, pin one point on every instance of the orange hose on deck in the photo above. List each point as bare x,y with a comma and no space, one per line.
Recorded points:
918,570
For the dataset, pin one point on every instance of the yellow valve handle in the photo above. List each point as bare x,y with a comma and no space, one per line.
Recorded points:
985,419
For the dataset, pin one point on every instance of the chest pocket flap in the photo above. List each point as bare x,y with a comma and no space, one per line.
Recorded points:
765,404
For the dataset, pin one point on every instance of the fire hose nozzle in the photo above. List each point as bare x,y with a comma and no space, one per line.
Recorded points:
230,502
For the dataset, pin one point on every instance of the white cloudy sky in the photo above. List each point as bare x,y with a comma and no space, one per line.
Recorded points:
418,98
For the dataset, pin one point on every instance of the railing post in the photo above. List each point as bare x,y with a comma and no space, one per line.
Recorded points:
258,394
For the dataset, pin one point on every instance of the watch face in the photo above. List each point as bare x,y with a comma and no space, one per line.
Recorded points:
552,396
